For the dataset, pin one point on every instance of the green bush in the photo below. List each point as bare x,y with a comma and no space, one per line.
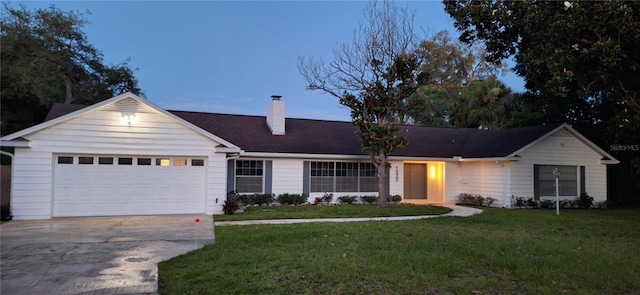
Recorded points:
567,204
347,199
260,199
584,201
547,204
521,202
369,199
292,199
394,198
476,200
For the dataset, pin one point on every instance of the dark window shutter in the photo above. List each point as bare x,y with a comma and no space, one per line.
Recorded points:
268,178
231,175
536,182
306,172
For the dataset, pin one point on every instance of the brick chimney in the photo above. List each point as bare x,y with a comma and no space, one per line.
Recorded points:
275,115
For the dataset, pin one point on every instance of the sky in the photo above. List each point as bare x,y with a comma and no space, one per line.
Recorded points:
232,56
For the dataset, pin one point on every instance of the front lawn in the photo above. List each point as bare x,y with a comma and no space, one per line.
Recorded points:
333,211
497,252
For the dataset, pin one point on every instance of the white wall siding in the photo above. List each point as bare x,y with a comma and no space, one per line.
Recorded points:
483,178
396,178
101,132
216,184
287,176
452,181
560,148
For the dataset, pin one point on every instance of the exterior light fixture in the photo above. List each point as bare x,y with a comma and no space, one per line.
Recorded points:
129,118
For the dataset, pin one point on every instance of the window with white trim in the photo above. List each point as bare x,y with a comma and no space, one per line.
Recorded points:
342,177
567,180
65,160
249,176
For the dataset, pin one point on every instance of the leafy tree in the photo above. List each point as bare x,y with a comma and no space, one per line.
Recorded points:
455,71
47,59
585,50
372,75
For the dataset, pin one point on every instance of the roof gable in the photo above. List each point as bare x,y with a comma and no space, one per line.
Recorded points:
127,102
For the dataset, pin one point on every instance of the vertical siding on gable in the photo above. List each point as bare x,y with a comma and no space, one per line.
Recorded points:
100,132
560,148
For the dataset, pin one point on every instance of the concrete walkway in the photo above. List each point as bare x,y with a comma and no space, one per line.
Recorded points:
460,211
95,255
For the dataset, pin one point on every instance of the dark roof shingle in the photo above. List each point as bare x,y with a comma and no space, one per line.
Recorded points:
305,136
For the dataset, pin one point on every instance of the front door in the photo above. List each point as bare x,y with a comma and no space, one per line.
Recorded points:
415,184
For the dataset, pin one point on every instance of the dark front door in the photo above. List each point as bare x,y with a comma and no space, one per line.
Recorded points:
415,183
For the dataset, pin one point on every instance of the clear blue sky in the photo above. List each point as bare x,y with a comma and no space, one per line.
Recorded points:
230,57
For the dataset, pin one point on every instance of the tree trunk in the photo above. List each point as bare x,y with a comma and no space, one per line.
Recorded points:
68,88
382,179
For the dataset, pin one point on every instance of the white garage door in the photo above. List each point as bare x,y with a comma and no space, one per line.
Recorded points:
100,185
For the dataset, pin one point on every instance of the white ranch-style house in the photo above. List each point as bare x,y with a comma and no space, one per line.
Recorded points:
127,156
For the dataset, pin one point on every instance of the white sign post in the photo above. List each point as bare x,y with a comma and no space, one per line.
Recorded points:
556,173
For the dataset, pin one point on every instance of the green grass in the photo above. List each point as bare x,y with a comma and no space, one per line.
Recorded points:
334,211
497,252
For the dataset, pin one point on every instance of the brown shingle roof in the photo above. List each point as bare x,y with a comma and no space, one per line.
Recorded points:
306,136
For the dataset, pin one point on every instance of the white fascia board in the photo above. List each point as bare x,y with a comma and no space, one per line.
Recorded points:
493,159
302,156
609,162
15,143
228,150
420,159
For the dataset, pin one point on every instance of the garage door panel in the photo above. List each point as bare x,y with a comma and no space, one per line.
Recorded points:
104,190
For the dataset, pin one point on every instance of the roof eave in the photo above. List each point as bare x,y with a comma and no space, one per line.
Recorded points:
16,143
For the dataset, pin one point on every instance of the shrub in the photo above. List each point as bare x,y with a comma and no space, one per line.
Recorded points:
292,199
567,204
520,202
245,199
229,206
394,198
347,199
476,200
465,198
547,204
531,202
260,199
584,201
369,199
600,205
489,201
327,198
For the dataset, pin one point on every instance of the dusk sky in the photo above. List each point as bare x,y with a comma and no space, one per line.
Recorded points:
230,57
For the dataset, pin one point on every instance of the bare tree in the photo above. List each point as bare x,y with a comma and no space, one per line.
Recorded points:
372,75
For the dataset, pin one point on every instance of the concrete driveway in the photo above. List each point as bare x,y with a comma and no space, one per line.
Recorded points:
96,255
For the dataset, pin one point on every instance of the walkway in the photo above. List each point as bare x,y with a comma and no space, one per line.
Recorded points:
459,211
